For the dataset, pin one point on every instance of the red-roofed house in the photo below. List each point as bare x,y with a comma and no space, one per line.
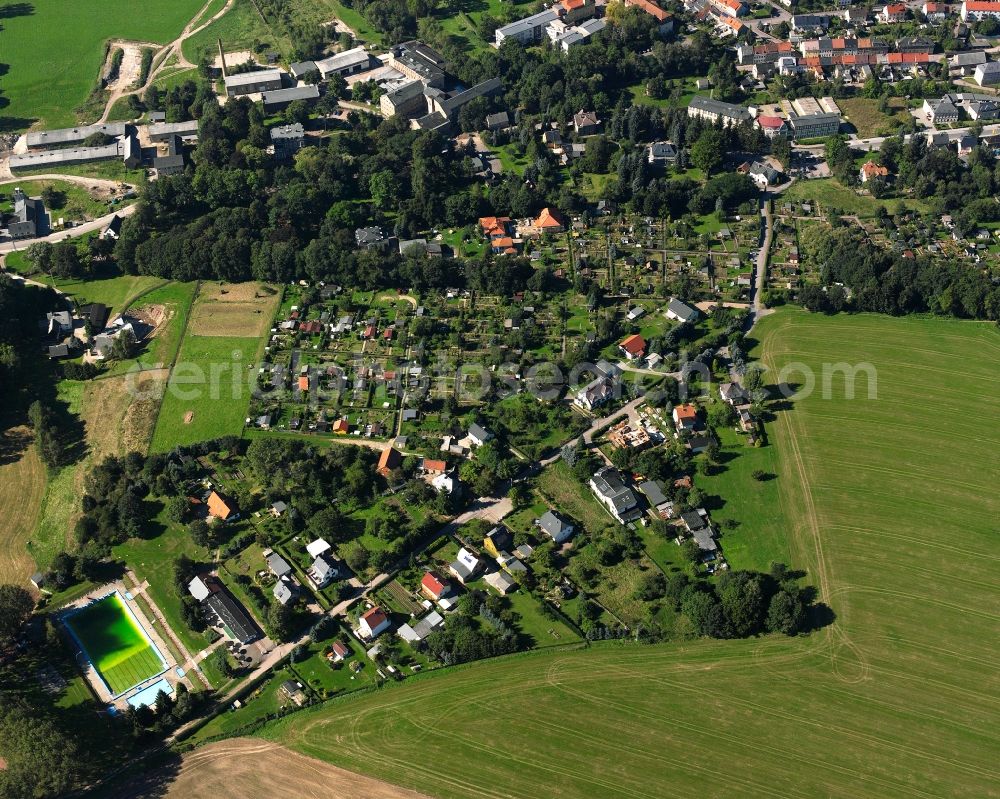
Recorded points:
935,12
433,587
388,460
373,623
341,426
339,651
665,18
772,126
729,8
574,11
685,416
303,382
548,221
634,347
871,170
893,12
433,466
495,226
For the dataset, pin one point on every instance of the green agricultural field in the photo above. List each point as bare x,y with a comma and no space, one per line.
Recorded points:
55,49
115,644
890,507
195,407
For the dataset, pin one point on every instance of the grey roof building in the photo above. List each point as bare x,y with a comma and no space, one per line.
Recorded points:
609,487
278,565
162,131
282,98
29,217
554,527
64,136
66,157
288,140
681,311
261,80
712,110
300,69
233,616
529,29
419,62
349,62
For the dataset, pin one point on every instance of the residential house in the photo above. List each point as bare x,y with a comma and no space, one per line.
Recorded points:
465,566
966,63
222,509
610,489
574,11
501,582
373,623
498,121
941,111
278,507
278,565
665,19
29,217
633,347
526,31
987,74
321,573
685,417
935,12
339,651
111,231
870,170
681,312
772,126
699,442
763,174
660,155
373,238
432,467
600,389
657,499
548,221
734,394
976,10
586,123
285,590
390,459
434,587
287,140
555,527
497,540
416,633
893,12
479,435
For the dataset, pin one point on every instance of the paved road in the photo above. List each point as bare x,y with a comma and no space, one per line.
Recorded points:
80,230
760,281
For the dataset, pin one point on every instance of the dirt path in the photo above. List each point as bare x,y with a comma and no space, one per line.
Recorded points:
161,56
101,183
243,767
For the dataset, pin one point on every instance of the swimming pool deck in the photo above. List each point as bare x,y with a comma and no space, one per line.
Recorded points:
151,630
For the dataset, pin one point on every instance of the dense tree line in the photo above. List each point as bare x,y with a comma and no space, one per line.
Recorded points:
884,281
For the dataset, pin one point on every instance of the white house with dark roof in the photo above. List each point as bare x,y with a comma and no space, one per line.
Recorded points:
620,500
554,527
680,311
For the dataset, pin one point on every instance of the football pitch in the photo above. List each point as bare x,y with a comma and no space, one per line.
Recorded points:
115,644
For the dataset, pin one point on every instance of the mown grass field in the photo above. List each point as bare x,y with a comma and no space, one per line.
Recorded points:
22,486
891,509
55,50
829,193
208,391
868,120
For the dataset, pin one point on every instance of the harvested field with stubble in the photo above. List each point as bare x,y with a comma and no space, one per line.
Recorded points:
235,309
890,507
245,767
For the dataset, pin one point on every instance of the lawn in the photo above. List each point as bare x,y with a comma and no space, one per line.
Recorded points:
160,349
208,391
891,508
830,193
77,202
864,114
103,170
760,534
115,292
54,51
22,487
115,644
